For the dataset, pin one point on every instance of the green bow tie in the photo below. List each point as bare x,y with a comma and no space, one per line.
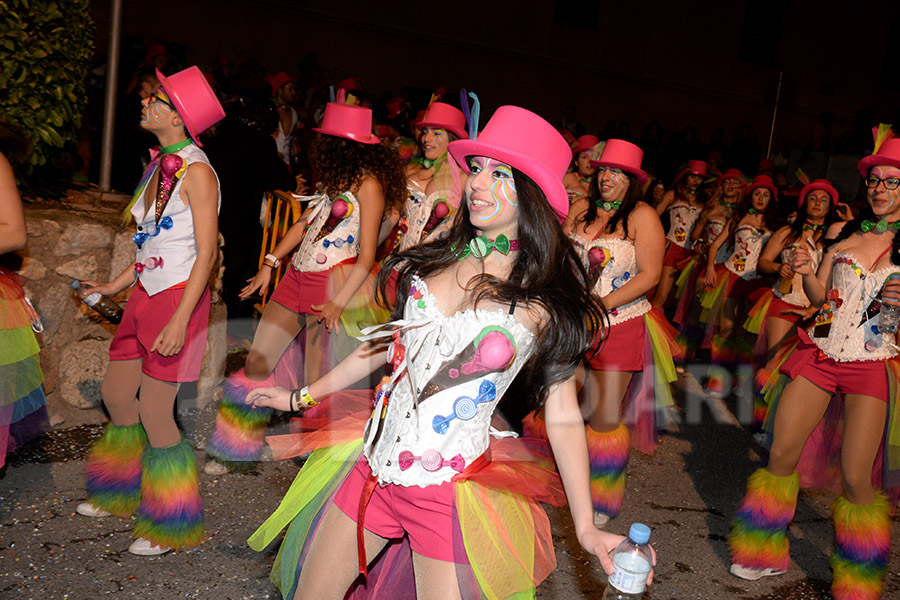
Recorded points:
482,245
609,206
813,227
881,226
752,211
729,205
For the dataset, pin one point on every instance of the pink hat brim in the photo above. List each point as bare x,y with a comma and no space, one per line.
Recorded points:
876,160
641,175
550,183
818,185
749,189
372,139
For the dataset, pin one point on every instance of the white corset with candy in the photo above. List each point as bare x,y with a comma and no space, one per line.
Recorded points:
332,233
432,418
791,290
682,217
748,245
426,216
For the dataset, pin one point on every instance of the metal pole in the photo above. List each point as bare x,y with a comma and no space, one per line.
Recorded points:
774,114
112,85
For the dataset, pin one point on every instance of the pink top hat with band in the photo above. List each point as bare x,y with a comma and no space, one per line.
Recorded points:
619,154
279,79
819,184
193,99
528,143
888,154
348,122
584,144
697,167
445,116
762,181
731,174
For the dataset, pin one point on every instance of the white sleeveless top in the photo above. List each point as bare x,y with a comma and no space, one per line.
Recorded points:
167,253
421,223
846,325
682,217
620,268
329,239
748,245
436,419
795,294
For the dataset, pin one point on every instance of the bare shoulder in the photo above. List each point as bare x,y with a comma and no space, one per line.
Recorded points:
643,213
834,229
369,187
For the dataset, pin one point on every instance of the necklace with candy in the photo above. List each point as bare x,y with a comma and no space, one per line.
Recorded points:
881,226
482,246
609,206
156,154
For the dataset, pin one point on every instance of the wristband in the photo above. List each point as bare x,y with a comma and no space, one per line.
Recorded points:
275,261
305,398
292,403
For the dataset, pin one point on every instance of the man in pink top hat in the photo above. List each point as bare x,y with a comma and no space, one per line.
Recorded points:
142,465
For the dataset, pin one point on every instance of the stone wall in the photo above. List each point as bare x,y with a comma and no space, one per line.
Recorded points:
83,238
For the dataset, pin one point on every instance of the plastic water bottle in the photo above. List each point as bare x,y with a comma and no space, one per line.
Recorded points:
99,303
633,560
889,315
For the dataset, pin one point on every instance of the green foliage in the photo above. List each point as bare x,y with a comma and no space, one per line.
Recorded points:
45,52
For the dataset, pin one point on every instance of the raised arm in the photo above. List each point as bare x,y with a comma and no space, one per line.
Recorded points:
668,199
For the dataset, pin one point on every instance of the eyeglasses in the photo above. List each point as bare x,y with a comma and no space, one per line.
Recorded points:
154,97
891,183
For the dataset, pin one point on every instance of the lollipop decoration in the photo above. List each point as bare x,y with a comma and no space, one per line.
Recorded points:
465,408
440,211
171,169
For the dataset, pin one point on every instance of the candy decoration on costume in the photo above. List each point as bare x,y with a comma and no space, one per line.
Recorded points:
465,408
338,243
153,262
598,258
758,537
141,237
113,469
621,280
881,226
239,436
608,459
431,461
863,544
170,513
341,209
171,169
492,350
439,211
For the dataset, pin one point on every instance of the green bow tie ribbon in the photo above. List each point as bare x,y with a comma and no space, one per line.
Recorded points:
752,211
813,227
482,246
729,205
609,206
881,226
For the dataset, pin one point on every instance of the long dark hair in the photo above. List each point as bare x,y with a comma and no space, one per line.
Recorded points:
796,228
546,272
633,195
770,214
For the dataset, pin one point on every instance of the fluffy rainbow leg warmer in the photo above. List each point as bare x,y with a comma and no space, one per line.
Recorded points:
170,513
533,426
758,532
863,539
240,433
608,458
113,469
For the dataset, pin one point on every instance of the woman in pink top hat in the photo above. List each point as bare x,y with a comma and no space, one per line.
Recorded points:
359,180
621,242
829,426
683,204
479,314
434,182
578,179
142,465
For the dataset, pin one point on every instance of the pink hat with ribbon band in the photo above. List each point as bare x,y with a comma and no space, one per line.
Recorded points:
279,79
620,154
762,181
697,167
584,144
818,184
731,174
887,151
445,116
528,143
349,122
193,99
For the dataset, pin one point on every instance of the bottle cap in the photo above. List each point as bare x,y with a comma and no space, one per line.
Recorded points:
75,284
639,533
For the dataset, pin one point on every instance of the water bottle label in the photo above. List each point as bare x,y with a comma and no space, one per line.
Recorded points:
93,299
631,572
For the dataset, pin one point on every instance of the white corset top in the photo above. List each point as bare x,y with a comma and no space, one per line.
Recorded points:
449,375
682,217
332,233
616,263
792,290
748,245
426,216
846,327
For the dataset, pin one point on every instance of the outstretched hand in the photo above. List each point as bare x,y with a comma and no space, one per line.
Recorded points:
601,544
270,397
259,282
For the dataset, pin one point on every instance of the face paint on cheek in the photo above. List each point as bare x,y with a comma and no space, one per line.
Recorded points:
503,191
441,139
619,182
894,195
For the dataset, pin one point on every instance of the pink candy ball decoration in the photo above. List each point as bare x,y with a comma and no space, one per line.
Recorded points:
441,210
169,165
341,209
495,351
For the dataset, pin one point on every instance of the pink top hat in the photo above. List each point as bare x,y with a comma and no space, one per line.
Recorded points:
620,154
697,167
445,116
731,174
584,144
762,181
348,122
528,143
819,184
193,99
887,154
279,79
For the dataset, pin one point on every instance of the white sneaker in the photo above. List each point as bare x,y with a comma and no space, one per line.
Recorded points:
600,520
214,467
751,574
89,510
144,547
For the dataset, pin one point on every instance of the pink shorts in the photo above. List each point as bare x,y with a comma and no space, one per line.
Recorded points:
778,306
676,254
144,317
425,514
298,291
864,377
752,289
623,349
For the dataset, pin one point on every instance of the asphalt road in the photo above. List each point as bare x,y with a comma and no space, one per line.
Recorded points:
686,493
